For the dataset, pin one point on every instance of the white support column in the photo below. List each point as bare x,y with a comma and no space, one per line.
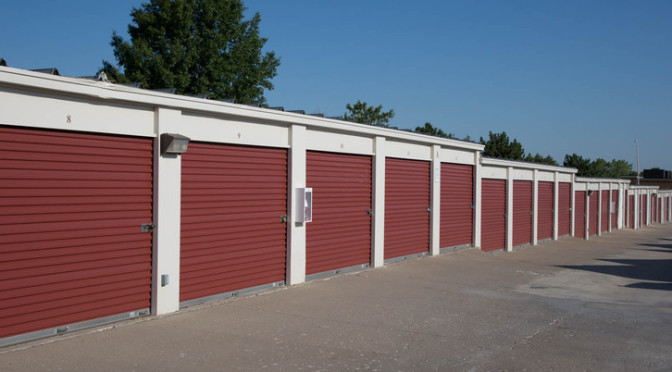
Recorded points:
165,296
627,209
477,200
636,210
296,231
648,207
378,222
599,209
572,205
621,205
586,228
435,210
556,193
535,206
509,209
610,200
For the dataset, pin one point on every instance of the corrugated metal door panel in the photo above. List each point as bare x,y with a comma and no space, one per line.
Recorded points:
522,212
231,236
604,221
340,234
594,212
631,210
493,215
545,210
71,206
564,208
614,216
407,189
457,199
580,214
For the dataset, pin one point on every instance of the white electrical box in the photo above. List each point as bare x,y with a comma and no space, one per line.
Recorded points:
304,204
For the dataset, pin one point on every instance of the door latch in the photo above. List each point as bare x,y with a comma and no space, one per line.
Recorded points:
369,212
429,209
283,218
147,227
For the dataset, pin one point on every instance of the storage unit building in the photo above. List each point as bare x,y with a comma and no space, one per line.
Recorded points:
536,200
105,219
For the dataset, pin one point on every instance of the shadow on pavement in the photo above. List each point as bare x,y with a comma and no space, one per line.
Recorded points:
650,272
666,246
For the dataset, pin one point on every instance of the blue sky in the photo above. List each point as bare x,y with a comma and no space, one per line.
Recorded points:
584,77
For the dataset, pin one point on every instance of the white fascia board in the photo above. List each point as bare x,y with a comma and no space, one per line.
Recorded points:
526,165
603,180
120,93
634,187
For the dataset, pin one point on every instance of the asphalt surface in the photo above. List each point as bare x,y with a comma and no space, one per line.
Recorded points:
567,305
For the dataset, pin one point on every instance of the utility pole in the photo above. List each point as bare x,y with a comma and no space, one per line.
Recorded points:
637,145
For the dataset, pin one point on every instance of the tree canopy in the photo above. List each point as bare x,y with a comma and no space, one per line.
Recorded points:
599,167
538,158
500,146
196,47
361,112
431,130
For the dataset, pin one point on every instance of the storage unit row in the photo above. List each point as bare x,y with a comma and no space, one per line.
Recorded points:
102,220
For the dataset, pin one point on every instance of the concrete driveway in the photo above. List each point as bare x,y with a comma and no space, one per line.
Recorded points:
603,304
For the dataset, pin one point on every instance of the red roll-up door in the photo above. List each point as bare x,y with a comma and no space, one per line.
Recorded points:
407,199
614,215
593,214
340,234
631,211
604,218
545,211
232,234
580,214
493,216
457,200
522,212
71,247
564,208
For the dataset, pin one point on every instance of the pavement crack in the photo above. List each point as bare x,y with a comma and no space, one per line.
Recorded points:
537,332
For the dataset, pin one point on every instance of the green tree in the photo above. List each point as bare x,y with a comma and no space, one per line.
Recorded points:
620,168
538,158
579,162
598,168
498,145
431,130
361,112
196,47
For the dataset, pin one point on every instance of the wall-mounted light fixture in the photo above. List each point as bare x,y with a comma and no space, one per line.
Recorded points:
173,143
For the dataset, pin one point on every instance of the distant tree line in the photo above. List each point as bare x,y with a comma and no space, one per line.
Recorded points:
497,145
